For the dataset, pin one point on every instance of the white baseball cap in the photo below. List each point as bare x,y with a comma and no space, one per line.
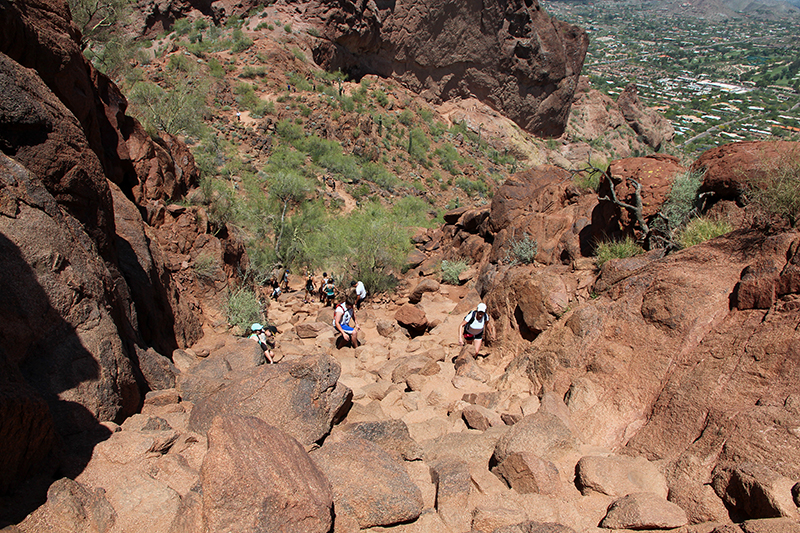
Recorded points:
481,307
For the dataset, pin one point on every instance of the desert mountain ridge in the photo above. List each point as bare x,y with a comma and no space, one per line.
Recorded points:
652,392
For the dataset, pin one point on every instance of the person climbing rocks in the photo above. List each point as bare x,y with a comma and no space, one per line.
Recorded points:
265,339
276,289
322,287
344,320
309,288
473,327
361,292
330,292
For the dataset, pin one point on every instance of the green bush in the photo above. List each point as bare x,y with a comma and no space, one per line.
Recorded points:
419,144
701,230
406,117
775,191
380,97
178,109
617,250
249,72
242,308
378,175
449,158
451,270
472,187
682,200
289,131
205,266
287,28
522,250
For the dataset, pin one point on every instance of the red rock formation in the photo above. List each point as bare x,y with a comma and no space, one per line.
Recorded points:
729,167
85,285
655,129
509,54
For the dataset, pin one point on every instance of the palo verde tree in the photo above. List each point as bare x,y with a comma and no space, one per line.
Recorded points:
96,19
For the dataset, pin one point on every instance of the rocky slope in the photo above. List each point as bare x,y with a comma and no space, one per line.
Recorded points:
654,393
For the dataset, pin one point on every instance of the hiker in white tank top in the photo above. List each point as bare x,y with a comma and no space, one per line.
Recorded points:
473,327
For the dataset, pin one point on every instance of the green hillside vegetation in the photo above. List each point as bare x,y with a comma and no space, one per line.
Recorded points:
399,161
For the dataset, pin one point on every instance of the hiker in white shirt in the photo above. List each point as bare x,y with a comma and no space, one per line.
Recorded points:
473,327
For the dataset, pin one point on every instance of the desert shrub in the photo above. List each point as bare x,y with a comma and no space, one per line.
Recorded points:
242,308
617,250
471,187
521,250
287,28
701,230
299,81
314,32
176,109
215,68
413,211
419,144
249,72
449,158
378,175
589,179
451,270
682,200
205,266
406,117
380,97
775,191
289,131
426,115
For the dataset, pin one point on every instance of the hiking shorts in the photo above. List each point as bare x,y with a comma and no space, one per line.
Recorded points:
347,329
469,336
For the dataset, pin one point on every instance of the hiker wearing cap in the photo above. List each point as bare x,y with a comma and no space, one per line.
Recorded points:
265,340
473,327
344,320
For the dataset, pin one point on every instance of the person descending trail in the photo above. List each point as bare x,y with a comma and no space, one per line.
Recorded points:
344,320
473,327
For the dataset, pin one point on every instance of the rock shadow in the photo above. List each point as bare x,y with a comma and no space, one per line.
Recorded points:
43,436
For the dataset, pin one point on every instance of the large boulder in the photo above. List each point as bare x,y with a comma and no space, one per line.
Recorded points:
540,434
300,397
71,508
654,173
368,483
619,476
728,169
257,478
543,205
512,55
643,510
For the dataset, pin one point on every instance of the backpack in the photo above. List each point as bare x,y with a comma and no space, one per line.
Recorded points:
330,290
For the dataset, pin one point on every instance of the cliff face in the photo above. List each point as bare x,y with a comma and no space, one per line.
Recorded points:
88,294
507,53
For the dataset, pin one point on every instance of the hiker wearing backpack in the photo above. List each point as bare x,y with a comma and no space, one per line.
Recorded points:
330,292
473,327
344,320
309,288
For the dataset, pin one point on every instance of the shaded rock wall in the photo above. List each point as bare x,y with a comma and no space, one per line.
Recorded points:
507,53
85,282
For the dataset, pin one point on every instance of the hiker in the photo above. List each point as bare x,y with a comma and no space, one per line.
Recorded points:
265,339
309,288
361,292
322,287
276,288
474,325
286,280
344,320
330,292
